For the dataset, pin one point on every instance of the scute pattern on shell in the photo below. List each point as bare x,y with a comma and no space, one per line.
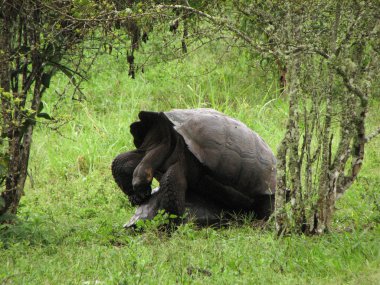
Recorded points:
235,154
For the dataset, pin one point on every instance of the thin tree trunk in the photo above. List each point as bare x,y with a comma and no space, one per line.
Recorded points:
5,73
5,81
289,146
327,177
17,129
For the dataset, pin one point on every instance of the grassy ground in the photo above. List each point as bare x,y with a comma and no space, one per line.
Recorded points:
69,229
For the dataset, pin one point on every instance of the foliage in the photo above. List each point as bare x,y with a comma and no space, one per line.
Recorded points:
327,57
38,39
329,86
305,43
162,221
69,225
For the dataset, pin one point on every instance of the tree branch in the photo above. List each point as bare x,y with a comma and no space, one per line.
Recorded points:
348,82
222,22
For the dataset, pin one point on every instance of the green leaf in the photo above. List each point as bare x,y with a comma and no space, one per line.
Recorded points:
40,107
46,79
3,167
68,72
45,116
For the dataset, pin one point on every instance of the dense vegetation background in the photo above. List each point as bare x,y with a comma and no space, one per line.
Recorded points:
305,77
69,226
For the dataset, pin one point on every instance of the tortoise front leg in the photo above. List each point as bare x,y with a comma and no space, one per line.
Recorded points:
170,197
123,167
145,170
173,186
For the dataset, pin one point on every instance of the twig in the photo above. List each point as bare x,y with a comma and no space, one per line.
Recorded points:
221,22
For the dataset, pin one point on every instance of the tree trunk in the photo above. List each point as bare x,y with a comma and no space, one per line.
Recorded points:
5,79
17,126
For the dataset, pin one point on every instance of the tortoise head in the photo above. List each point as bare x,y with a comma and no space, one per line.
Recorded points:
148,120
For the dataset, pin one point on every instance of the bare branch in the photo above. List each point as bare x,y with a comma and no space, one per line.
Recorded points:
349,32
222,22
348,82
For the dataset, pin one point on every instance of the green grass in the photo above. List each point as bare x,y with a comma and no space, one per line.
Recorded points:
69,227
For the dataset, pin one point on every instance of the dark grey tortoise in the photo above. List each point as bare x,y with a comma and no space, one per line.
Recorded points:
204,161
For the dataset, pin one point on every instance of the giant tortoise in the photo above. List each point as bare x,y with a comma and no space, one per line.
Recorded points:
204,161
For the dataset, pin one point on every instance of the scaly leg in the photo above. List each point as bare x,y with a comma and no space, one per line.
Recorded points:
123,167
170,197
144,172
173,186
